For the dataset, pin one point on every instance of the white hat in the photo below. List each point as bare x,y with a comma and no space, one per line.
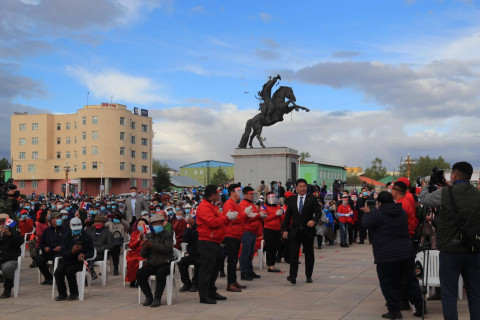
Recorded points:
76,224
144,213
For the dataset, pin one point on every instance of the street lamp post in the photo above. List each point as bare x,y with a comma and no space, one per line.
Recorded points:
67,169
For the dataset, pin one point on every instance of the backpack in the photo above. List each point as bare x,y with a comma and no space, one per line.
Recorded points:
469,228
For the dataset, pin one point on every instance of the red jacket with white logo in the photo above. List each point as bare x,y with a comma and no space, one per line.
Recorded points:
235,227
272,221
251,224
210,222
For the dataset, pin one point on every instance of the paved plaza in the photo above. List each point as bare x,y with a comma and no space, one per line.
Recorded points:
345,287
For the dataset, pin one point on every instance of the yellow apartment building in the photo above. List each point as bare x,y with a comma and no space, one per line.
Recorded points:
105,149
354,171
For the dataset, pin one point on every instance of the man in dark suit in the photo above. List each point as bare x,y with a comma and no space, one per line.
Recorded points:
303,213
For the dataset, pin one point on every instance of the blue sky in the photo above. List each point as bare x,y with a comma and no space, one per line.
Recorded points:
382,78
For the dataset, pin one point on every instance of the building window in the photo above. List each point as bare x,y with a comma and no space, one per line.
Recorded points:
68,140
21,155
23,127
34,184
144,128
132,139
122,151
68,125
94,120
84,151
35,155
144,141
35,140
144,169
122,165
133,168
84,120
75,154
133,182
31,168
59,126
68,154
145,183
144,155
133,125
84,166
34,126
94,165
122,135
21,184
59,155
19,168
122,121
59,140
94,150
22,141
132,153
84,135
75,125
56,168
94,135
75,168
201,171
75,139
195,172
186,172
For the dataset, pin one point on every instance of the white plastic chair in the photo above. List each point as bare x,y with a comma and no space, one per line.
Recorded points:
103,267
16,279
24,245
171,285
124,265
50,266
260,255
184,248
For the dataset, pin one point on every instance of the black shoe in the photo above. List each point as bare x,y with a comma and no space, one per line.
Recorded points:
208,300
392,315
148,301
33,265
47,283
309,280
6,293
292,280
194,288
218,296
61,297
222,274
418,312
155,303
133,284
346,245
361,242
254,275
72,297
94,274
274,270
436,296
115,272
2,278
246,277
186,287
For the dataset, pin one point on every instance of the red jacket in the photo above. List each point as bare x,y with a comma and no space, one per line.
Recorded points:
179,227
210,222
345,210
272,221
25,226
235,227
411,213
251,224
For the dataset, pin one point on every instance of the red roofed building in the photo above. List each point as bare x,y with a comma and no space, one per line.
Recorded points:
371,181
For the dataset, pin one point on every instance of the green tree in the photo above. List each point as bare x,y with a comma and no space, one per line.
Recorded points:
219,177
353,180
423,166
4,164
162,179
376,171
304,156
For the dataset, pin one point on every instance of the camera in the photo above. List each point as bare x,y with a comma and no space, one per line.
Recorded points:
371,204
437,178
5,187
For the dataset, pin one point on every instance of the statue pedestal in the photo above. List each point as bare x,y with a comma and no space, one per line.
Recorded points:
268,164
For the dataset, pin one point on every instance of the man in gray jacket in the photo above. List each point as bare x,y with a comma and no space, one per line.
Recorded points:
134,206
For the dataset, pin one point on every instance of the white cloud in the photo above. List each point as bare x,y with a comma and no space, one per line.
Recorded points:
266,17
122,87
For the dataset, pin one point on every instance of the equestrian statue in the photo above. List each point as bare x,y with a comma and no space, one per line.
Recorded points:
272,109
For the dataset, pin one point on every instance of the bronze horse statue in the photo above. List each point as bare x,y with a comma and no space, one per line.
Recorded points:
272,112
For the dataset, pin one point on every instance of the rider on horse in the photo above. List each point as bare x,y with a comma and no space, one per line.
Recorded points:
267,106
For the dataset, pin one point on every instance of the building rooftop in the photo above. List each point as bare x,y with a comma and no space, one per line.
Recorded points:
181,181
302,162
208,163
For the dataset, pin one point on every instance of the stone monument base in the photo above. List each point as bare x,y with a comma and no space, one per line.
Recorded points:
268,164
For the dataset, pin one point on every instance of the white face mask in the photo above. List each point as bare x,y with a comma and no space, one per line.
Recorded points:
133,194
59,206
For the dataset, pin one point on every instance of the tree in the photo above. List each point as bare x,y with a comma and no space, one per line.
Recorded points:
162,179
219,177
376,171
354,180
423,167
304,156
4,164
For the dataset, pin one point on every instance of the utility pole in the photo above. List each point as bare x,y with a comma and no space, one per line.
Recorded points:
408,161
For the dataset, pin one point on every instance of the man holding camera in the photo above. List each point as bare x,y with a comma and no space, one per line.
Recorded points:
459,207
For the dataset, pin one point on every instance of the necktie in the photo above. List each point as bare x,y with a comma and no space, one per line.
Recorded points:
300,205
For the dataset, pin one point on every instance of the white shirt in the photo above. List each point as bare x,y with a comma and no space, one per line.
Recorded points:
298,201
133,202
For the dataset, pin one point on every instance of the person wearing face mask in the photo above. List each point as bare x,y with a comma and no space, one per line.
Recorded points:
77,247
134,206
102,240
50,245
345,214
157,249
137,237
119,228
25,223
179,225
10,249
190,236
272,215
361,201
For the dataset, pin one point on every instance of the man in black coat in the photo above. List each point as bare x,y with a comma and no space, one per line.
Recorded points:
10,249
388,226
190,236
303,213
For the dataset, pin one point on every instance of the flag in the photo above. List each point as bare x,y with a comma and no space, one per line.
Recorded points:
85,205
10,223
264,207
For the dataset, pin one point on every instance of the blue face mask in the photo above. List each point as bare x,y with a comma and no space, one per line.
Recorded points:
93,212
64,217
27,208
365,193
76,232
109,206
68,208
116,220
187,210
24,216
102,208
140,228
157,229
59,222
114,207
53,207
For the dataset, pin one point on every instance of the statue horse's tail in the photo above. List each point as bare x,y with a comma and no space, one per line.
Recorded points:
246,134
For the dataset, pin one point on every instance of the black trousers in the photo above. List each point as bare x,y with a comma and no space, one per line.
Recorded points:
208,272
160,272
233,247
294,245
115,252
41,261
271,240
389,276
183,266
67,270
